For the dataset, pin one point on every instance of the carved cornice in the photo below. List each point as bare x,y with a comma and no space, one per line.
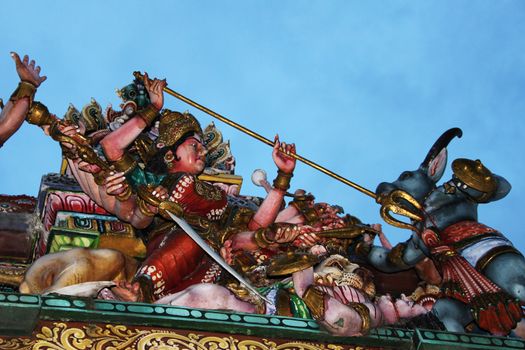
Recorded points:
59,335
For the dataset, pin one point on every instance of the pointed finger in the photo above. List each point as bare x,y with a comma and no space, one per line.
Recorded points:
37,69
32,64
26,59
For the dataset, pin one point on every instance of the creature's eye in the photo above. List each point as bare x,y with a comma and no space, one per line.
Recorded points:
405,175
132,94
194,145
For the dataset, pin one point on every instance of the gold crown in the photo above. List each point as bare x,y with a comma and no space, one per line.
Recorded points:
174,125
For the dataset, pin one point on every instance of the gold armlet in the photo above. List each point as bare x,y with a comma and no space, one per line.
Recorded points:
143,207
24,89
310,214
364,313
148,114
395,256
125,164
261,239
282,181
314,299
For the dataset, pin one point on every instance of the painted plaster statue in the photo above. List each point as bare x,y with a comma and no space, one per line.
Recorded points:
179,158
342,310
483,279
143,162
13,113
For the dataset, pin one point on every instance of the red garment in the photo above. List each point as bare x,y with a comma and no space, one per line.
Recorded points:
176,261
463,230
492,308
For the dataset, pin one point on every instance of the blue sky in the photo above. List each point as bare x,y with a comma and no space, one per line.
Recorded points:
362,87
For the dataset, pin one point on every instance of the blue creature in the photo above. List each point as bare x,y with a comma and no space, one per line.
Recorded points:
483,275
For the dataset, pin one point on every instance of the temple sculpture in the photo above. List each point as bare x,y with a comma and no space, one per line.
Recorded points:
144,239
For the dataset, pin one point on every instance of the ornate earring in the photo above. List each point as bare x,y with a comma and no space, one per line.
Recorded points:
168,159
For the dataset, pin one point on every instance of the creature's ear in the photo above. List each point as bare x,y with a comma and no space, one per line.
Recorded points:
504,188
436,159
436,166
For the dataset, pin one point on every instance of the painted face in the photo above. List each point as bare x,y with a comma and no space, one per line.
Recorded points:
192,156
407,308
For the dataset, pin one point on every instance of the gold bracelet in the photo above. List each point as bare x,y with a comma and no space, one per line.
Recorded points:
24,89
314,299
261,239
125,164
364,313
149,114
143,207
282,181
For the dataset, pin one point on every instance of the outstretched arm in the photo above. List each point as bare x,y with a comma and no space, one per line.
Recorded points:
269,209
13,114
401,257
115,143
105,195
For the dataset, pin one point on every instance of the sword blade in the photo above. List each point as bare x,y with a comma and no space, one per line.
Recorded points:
215,256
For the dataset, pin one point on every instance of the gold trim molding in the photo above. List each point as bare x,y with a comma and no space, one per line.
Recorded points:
60,336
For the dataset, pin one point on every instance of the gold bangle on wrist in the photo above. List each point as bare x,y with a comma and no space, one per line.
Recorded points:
143,207
364,313
149,114
282,181
24,89
261,239
125,164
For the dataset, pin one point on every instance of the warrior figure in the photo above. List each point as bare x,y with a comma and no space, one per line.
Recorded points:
482,272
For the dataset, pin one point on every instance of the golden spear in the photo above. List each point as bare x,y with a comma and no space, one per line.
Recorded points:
263,139
391,203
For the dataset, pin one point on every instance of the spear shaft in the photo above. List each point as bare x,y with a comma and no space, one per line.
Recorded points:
263,139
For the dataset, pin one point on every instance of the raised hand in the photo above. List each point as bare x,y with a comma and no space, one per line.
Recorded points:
27,71
155,90
282,155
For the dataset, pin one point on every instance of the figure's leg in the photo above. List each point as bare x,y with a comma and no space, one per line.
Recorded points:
198,296
454,314
507,271
176,258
